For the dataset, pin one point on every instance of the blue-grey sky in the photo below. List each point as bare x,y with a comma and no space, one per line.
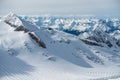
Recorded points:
63,7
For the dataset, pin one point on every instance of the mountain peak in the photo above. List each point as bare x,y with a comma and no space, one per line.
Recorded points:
13,19
10,15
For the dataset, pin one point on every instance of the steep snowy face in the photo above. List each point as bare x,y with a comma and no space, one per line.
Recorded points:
104,33
98,35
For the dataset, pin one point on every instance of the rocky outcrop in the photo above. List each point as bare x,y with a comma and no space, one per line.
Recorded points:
37,40
91,43
118,42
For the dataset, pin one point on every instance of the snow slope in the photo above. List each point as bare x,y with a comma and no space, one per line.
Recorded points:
30,52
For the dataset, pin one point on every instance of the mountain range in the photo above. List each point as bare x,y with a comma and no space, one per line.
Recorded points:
59,48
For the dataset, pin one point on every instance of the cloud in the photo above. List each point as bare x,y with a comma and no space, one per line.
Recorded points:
97,7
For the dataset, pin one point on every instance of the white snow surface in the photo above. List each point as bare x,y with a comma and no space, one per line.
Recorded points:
64,58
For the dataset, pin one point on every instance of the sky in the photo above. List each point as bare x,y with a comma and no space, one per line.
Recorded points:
61,7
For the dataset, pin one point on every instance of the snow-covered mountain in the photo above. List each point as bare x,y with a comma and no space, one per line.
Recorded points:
74,23
31,50
90,27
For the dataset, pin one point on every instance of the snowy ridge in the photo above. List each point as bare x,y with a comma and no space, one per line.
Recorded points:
34,52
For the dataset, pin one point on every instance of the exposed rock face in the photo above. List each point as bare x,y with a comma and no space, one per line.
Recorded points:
17,28
100,37
118,42
21,28
37,40
91,43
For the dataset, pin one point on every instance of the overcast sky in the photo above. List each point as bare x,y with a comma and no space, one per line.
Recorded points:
81,7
